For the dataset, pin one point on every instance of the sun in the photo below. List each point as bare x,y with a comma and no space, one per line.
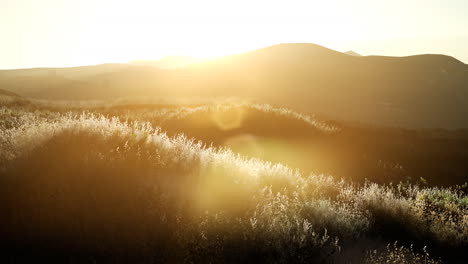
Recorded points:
126,31
122,31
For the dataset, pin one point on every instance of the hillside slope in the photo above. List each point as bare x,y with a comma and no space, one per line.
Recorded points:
86,188
7,93
345,150
424,91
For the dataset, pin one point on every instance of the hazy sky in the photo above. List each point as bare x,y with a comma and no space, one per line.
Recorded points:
58,33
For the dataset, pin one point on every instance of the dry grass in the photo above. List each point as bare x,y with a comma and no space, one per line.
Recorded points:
95,188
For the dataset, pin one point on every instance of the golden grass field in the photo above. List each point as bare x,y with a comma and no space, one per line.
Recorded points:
221,183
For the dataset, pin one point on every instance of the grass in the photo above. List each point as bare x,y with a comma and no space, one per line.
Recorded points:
84,187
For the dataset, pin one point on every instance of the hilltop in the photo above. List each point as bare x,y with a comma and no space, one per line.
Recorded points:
352,53
423,91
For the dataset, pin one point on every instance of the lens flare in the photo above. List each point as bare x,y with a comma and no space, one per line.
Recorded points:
229,119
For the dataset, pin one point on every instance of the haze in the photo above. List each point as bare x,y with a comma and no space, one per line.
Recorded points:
56,33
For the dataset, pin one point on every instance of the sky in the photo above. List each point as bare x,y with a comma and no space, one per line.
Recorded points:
63,33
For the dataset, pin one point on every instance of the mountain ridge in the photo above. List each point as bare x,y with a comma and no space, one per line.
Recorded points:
422,91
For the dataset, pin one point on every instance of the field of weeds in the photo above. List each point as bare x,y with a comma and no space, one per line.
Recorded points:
231,183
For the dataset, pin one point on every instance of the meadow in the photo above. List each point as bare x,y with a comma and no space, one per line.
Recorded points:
225,183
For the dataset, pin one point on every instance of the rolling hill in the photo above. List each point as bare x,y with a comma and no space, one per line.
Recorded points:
423,91
7,93
352,53
91,187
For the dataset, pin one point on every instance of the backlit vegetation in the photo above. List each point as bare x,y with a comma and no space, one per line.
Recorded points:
111,187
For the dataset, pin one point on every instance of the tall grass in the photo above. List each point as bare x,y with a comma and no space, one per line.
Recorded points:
102,189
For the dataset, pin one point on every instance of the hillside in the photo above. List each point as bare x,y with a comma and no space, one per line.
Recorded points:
71,72
7,93
352,53
107,185
424,91
344,150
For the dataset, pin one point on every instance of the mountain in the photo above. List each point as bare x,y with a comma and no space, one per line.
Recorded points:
422,91
352,53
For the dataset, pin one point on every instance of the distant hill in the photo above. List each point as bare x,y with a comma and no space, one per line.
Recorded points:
352,53
8,93
423,91
71,72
